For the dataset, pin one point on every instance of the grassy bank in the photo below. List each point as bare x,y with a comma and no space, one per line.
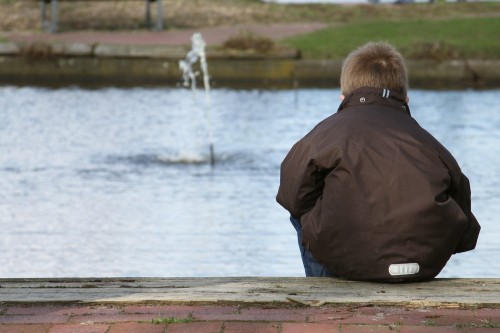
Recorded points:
455,38
129,14
424,30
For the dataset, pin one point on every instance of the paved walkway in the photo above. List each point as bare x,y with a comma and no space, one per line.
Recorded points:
247,305
243,319
212,35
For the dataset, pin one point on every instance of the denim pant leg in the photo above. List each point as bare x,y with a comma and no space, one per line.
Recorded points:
311,266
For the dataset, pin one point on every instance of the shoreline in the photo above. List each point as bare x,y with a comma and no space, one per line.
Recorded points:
60,64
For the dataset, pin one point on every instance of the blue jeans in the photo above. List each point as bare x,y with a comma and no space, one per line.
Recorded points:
311,266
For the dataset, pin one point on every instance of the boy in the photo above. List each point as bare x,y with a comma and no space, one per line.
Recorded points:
372,195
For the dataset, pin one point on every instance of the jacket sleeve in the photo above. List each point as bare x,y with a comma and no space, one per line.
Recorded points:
301,181
462,196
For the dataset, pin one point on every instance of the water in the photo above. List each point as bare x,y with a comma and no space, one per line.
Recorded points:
117,182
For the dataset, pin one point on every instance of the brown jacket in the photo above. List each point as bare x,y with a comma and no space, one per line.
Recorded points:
379,198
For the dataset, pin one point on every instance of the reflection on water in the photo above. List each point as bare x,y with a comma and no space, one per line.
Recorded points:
117,182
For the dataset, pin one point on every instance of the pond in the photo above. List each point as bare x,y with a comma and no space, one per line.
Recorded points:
117,182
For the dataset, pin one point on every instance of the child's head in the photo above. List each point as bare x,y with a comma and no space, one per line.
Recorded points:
375,64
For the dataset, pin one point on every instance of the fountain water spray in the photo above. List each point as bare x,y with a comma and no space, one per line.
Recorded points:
197,53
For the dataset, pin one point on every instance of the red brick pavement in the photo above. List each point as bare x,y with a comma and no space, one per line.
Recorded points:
244,319
212,35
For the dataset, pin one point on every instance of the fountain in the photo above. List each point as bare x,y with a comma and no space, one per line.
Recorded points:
189,74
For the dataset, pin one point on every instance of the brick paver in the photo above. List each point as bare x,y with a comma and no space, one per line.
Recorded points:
160,310
33,319
310,328
61,310
137,328
260,314
319,315
24,328
367,329
113,318
79,328
245,318
196,327
480,330
424,329
246,327
216,313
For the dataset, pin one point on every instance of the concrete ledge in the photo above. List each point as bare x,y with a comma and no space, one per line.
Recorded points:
9,48
450,293
73,49
55,48
140,51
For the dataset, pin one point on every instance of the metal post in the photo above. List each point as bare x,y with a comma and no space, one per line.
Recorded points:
53,16
159,15
148,13
42,14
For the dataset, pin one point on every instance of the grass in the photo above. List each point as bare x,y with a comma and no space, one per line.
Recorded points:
429,323
485,323
171,320
249,41
437,39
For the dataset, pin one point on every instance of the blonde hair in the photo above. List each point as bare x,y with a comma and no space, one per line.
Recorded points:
375,64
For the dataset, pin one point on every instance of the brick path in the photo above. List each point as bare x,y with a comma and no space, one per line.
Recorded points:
212,35
243,319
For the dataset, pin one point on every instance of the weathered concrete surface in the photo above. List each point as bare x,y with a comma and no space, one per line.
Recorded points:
453,293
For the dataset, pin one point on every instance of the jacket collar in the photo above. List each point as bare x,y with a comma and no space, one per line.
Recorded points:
378,96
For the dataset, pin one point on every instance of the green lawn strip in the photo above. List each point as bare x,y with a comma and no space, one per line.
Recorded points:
269,12
445,38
